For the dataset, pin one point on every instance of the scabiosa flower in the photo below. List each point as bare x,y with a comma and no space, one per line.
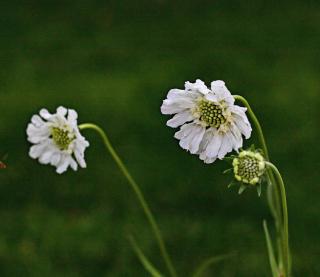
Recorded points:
248,169
57,140
211,125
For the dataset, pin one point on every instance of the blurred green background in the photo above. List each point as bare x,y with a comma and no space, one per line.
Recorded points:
114,61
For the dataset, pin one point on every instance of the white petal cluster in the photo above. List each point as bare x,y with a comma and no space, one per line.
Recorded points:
211,124
56,139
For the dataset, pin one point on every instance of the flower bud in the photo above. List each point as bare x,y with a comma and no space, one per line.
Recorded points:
248,167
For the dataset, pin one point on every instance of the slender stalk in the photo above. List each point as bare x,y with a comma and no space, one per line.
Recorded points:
143,259
256,124
285,241
137,191
209,262
272,192
275,209
263,145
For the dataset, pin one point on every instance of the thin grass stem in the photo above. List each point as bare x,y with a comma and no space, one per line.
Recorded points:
138,193
285,241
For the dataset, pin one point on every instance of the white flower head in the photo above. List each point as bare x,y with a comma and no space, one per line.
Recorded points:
56,139
211,125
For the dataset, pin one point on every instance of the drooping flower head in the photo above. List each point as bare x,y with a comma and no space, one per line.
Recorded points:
56,139
211,124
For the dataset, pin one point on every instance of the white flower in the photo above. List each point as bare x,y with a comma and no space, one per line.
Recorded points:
212,125
57,140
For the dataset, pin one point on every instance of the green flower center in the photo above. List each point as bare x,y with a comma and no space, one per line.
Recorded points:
211,114
62,138
248,168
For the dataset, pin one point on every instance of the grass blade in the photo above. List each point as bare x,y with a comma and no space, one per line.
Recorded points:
143,259
272,259
210,261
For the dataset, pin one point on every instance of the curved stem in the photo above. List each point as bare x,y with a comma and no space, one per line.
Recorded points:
138,193
256,124
262,142
285,241
272,194
210,261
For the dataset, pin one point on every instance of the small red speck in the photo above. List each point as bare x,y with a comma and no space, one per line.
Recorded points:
2,165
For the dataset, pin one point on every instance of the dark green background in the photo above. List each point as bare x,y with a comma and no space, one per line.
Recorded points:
114,61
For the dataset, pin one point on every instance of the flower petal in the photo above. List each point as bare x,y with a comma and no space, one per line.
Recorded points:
226,146
64,163
198,86
36,150
180,118
178,101
214,145
55,159
80,157
73,164
72,117
45,157
190,136
241,120
37,134
220,90
37,120
45,114
62,111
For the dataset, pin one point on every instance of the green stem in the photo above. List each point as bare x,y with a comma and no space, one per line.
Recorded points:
264,148
138,193
261,140
273,194
285,241
256,124
209,262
